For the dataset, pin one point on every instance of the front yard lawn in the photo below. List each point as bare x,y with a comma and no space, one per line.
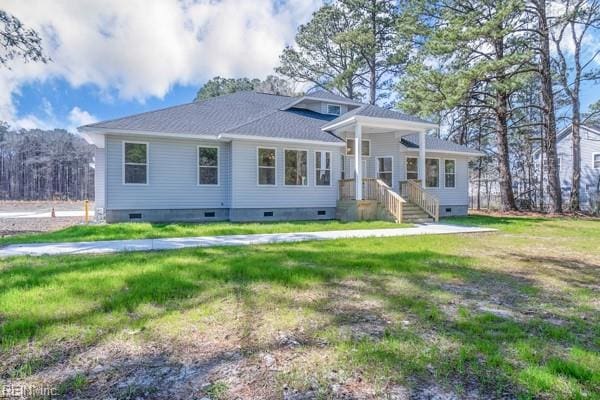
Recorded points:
512,314
83,233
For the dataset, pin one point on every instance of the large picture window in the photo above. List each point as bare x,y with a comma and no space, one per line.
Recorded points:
432,172
323,168
412,168
266,166
208,165
365,151
384,169
135,158
296,164
449,173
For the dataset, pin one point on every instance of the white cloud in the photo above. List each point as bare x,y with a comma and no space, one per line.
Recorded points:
140,48
78,117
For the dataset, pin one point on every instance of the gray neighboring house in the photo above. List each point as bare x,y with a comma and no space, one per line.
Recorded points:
590,164
251,156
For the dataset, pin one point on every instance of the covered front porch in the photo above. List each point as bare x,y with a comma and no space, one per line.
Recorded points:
373,185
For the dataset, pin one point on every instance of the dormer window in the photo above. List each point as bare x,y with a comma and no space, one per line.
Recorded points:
334,109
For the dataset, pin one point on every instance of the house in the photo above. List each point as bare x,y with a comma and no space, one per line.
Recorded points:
252,156
589,189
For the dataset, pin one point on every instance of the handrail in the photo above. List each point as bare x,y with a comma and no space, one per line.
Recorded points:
429,203
374,189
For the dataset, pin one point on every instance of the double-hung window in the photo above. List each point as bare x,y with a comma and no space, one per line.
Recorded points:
208,165
266,166
449,173
412,168
384,169
135,163
365,147
296,166
432,172
323,168
596,160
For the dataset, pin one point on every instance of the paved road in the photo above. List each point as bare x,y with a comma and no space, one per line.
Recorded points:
114,246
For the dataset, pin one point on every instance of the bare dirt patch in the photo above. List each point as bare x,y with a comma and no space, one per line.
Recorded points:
22,217
20,226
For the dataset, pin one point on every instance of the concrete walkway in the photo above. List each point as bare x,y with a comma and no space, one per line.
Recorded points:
114,246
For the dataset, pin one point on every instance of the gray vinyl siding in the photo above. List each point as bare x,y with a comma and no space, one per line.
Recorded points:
456,196
172,176
320,107
382,145
590,144
247,193
99,177
386,144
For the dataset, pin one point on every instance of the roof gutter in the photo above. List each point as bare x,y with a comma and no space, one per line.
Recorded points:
95,136
232,136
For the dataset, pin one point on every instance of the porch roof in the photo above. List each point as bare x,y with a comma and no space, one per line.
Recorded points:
368,114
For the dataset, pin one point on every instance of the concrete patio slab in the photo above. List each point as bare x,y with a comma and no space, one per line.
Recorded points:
115,246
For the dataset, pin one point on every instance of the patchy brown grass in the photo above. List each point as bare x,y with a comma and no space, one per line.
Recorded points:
512,314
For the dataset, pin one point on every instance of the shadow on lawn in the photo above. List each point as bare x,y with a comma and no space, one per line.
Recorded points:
467,348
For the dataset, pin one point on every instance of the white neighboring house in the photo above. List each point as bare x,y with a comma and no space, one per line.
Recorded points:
590,164
257,157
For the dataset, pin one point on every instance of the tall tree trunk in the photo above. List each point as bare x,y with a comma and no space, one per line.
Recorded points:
373,60
507,196
506,191
548,99
576,151
576,111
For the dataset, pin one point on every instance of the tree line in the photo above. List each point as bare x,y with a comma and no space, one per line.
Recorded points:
45,165
498,75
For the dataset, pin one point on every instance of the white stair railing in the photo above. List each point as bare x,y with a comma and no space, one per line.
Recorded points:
374,189
429,203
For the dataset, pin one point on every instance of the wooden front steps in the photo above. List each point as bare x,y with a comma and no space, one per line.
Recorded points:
369,210
413,214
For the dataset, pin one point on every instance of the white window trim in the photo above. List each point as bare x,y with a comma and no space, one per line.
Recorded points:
307,168
439,173
147,162
363,140
406,169
455,164
258,167
594,159
198,165
334,105
330,167
392,171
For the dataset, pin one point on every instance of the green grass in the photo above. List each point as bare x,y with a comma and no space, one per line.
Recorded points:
82,233
374,313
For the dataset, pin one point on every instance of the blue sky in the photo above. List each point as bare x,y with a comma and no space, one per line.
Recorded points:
113,58
110,59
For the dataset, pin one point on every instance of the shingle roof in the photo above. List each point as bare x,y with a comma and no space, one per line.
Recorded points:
437,144
369,110
208,117
290,124
324,95
245,113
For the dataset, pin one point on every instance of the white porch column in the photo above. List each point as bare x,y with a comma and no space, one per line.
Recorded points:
358,161
421,165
